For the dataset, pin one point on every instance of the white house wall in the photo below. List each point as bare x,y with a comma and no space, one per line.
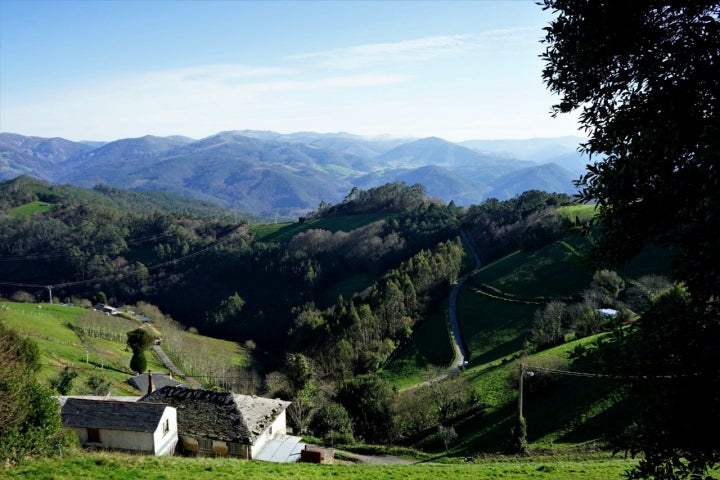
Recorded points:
164,443
120,440
277,427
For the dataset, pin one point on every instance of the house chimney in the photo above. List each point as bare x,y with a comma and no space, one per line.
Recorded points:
151,385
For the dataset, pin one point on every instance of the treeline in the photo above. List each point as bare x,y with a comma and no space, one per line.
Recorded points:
525,222
209,273
357,335
393,197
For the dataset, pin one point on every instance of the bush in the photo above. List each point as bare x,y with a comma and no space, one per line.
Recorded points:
30,422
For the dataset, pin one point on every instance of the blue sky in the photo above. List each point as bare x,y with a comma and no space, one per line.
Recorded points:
103,70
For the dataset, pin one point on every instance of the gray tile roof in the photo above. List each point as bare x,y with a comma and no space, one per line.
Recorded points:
159,380
110,414
219,415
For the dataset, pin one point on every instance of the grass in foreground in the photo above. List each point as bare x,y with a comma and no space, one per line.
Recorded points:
122,466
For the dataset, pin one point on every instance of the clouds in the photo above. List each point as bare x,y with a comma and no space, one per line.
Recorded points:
412,51
459,86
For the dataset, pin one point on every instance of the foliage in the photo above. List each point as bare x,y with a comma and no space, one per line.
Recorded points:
654,126
29,416
392,197
138,362
547,329
528,221
332,423
63,382
97,385
518,443
368,400
139,340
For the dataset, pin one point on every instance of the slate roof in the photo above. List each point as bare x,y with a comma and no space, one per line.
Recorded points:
110,414
219,415
159,380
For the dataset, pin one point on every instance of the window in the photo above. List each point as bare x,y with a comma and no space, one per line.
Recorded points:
205,444
166,426
93,435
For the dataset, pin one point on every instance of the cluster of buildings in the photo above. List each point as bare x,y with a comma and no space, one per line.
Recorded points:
174,419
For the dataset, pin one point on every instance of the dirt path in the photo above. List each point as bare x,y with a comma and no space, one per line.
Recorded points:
170,365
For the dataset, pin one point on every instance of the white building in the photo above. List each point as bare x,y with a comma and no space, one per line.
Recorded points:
122,425
223,423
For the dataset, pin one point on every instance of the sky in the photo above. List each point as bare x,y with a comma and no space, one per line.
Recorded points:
103,70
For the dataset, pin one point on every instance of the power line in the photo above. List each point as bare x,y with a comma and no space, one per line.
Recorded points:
116,275
603,375
96,249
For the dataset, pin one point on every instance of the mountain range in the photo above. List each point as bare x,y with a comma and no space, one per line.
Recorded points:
287,175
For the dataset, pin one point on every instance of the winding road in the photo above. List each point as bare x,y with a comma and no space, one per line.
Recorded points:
460,353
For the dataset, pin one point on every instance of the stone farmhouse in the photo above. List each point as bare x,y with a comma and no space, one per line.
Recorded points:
222,423
122,425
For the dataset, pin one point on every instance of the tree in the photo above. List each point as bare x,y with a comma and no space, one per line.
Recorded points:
368,400
63,382
649,96
547,325
332,422
139,340
100,297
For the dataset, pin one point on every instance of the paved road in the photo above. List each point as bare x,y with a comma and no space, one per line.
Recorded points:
457,343
460,353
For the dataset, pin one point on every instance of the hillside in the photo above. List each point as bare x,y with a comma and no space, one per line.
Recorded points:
351,299
286,175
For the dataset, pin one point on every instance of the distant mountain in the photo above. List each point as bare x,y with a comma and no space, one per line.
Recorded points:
35,156
54,150
440,182
538,150
340,142
288,175
548,177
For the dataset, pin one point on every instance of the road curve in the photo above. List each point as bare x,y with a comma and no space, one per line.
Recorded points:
460,353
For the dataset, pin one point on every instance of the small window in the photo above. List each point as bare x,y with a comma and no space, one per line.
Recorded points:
93,435
270,430
166,426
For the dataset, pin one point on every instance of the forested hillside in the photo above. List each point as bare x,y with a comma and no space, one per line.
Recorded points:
338,310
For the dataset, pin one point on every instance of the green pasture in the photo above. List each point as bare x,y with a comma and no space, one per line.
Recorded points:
30,209
580,212
54,329
428,346
552,271
50,327
493,329
283,232
346,287
119,466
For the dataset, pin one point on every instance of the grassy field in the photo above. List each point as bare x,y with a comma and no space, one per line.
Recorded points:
552,271
283,232
55,328
581,212
126,467
495,310
429,345
30,208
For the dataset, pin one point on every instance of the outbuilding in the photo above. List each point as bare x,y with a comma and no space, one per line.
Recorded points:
149,428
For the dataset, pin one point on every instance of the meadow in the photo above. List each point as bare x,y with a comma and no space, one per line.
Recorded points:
119,466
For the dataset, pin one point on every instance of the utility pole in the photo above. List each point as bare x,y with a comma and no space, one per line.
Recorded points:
523,372
49,287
